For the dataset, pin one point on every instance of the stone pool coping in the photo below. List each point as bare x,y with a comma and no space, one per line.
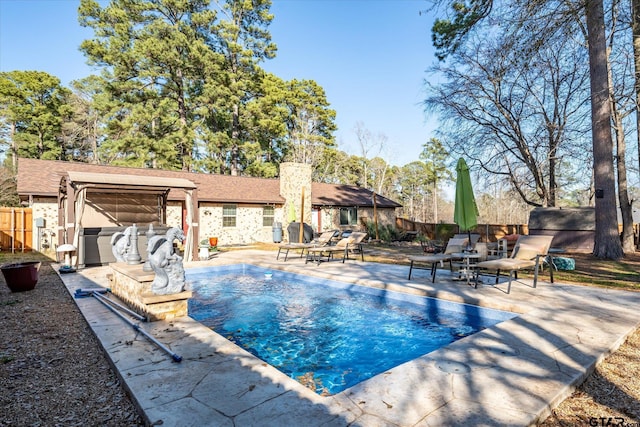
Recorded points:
509,375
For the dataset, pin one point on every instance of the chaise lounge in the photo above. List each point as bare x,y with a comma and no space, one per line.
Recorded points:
325,239
528,253
346,245
454,245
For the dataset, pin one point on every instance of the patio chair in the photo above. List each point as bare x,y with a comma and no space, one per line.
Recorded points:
325,239
453,246
528,253
474,237
351,244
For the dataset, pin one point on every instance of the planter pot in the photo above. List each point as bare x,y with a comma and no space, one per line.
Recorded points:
213,241
21,276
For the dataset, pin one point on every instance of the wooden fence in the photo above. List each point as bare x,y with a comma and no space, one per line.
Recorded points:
16,229
443,231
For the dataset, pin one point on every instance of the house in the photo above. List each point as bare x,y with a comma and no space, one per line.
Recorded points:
86,204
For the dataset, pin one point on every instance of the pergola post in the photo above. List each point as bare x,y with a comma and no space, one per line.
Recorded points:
70,213
196,227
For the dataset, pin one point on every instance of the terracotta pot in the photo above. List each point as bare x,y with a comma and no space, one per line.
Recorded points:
21,276
213,241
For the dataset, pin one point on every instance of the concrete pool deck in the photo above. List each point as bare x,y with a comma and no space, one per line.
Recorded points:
509,375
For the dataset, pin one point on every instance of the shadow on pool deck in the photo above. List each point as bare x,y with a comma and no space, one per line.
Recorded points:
509,375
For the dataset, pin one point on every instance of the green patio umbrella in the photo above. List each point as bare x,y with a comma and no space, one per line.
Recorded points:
465,213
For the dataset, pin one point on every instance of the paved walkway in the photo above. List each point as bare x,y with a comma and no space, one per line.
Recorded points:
508,375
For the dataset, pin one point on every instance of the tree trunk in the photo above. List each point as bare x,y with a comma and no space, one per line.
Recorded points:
621,168
607,241
635,28
628,246
235,136
14,148
435,201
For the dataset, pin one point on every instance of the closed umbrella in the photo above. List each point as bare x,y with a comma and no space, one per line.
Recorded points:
465,213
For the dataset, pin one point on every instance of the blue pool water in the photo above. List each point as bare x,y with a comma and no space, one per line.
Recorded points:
326,334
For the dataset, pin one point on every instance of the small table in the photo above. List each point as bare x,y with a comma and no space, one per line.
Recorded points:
470,260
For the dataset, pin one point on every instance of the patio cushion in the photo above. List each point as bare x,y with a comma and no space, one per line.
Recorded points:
527,252
506,264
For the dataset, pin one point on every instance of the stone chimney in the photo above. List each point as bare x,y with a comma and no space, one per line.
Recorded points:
295,181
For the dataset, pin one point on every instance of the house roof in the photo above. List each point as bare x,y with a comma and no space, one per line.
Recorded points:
42,178
347,195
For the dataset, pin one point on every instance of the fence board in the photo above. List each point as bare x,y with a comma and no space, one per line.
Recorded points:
443,231
16,229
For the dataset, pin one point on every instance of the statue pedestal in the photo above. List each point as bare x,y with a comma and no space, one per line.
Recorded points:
132,284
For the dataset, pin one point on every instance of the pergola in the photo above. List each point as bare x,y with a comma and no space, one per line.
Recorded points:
122,200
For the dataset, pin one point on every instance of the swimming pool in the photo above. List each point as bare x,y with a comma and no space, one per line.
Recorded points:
326,334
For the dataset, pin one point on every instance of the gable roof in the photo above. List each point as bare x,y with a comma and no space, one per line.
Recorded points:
347,195
42,178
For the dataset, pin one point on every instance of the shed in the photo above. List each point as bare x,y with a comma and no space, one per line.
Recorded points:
573,228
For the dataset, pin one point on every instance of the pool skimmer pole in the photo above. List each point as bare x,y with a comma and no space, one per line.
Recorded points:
114,307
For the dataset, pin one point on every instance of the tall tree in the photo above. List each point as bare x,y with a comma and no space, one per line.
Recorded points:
154,53
620,73
607,244
368,142
310,122
607,240
83,132
413,185
635,35
434,155
32,105
516,119
243,40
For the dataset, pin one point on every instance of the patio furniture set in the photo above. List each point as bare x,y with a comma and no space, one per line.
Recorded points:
463,254
326,245
471,258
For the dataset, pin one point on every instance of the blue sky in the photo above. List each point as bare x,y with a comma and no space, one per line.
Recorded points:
370,56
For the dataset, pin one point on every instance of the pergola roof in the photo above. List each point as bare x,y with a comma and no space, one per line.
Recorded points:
132,181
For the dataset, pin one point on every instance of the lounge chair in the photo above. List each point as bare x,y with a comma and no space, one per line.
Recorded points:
346,245
528,253
325,239
453,246
432,246
474,237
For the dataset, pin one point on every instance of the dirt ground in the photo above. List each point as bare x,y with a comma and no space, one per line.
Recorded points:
53,371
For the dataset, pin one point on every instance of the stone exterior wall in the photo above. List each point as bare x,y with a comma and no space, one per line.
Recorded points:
248,229
174,214
385,217
249,226
294,179
330,218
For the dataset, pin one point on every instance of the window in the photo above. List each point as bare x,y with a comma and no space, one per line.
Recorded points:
228,215
348,216
267,216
